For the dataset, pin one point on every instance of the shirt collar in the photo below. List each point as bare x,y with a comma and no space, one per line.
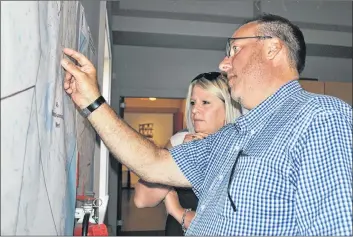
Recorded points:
257,117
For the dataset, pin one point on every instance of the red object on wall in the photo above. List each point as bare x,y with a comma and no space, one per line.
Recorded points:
84,198
93,230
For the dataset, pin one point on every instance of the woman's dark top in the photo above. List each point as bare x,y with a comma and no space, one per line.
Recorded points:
187,199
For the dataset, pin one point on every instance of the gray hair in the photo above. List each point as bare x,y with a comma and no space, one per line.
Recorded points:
290,34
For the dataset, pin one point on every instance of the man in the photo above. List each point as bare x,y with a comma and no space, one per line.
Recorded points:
285,168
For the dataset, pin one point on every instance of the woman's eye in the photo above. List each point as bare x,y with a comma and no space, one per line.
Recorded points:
192,102
205,102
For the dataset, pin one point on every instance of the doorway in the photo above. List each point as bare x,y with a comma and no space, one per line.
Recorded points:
157,119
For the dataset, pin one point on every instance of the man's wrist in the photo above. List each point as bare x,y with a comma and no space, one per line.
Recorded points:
93,106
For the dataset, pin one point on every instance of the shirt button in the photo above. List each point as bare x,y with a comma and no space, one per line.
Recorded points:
237,148
220,177
252,132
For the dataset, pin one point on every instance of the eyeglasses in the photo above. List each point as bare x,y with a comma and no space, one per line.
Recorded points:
211,76
231,40
241,153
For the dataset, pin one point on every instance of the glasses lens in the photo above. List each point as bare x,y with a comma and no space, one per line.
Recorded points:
228,46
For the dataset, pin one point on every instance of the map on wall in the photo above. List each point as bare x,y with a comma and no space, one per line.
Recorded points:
38,120
85,132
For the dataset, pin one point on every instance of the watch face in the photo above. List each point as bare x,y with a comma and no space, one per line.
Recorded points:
85,112
92,107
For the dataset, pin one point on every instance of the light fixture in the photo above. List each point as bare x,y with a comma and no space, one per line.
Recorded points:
152,98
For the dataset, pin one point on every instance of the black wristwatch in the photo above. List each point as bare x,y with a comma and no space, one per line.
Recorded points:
92,107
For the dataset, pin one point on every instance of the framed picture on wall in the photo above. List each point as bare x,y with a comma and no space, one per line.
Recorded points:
146,129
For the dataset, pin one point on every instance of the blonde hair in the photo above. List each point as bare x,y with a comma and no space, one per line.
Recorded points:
219,87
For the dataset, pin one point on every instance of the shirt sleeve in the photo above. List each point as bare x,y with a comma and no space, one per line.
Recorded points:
324,186
178,138
193,158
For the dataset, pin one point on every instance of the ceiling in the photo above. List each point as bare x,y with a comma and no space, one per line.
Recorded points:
134,25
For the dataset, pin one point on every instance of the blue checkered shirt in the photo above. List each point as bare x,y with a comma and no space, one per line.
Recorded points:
293,176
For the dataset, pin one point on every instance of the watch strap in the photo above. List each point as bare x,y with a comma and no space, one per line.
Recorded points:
93,106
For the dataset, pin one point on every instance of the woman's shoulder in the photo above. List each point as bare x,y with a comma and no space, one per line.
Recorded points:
178,138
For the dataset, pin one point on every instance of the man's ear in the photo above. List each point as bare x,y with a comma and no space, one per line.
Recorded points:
273,48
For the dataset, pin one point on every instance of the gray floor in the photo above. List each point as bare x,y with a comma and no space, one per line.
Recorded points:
141,219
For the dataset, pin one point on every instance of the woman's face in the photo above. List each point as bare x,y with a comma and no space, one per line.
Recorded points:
207,111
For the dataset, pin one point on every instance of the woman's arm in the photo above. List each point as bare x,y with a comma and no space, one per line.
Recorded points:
174,209
150,194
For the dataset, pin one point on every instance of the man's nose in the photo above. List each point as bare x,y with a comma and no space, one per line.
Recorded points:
225,65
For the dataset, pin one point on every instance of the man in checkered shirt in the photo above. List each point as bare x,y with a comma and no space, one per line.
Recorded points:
284,168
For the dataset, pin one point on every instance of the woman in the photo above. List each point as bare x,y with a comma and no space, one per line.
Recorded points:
208,108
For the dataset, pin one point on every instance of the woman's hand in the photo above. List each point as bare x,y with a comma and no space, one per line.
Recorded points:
194,136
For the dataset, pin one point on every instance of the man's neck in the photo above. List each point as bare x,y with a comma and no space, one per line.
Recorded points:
273,84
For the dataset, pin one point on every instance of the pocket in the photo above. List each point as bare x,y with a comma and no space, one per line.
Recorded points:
257,183
224,208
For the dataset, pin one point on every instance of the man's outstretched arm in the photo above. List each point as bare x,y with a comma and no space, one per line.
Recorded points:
148,161
139,154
